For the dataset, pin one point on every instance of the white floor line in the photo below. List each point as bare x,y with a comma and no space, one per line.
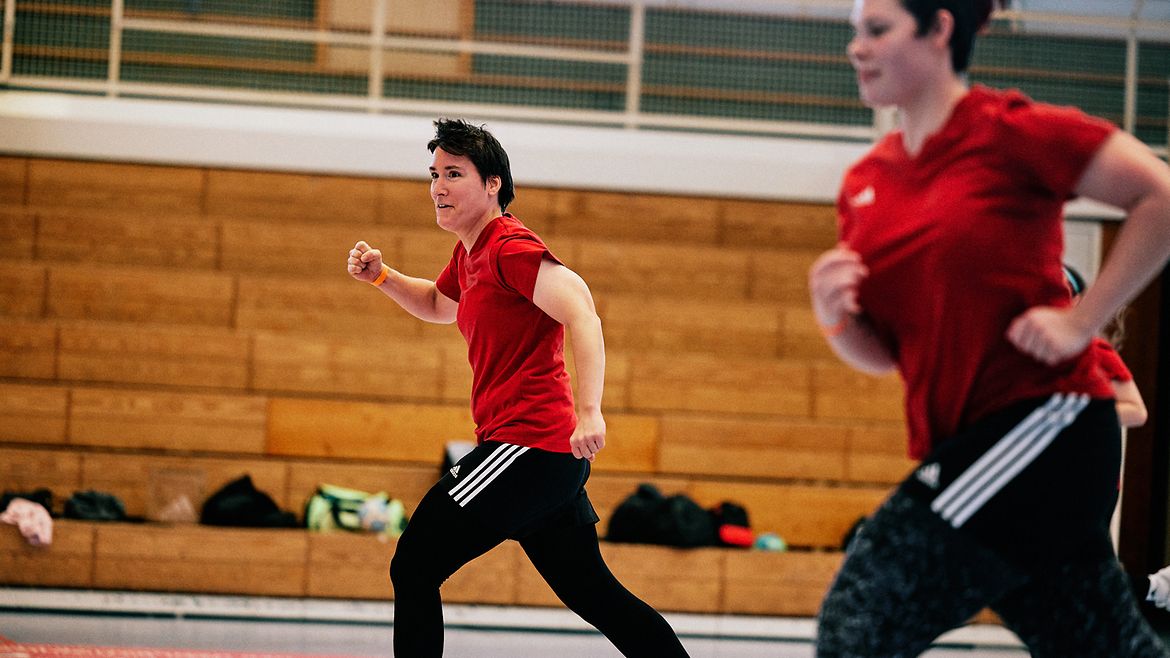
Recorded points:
460,615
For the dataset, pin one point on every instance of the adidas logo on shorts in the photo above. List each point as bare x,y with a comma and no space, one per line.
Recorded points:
455,471
928,475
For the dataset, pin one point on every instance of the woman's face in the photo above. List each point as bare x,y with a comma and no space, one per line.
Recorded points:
462,198
892,63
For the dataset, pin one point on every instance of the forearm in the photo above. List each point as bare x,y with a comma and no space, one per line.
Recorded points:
857,345
419,297
588,347
1137,256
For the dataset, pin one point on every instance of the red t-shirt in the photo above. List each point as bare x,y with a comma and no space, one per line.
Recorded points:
959,241
1109,362
520,390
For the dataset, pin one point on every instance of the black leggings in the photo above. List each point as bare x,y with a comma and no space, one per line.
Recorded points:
442,537
1025,533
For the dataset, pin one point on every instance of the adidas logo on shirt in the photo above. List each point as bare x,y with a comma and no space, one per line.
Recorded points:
455,471
928,475
863,198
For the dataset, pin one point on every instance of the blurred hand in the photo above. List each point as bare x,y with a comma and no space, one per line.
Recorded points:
833,280
1048,334
365,262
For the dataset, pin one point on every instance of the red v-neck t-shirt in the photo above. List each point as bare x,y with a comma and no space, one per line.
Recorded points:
520,389
960,240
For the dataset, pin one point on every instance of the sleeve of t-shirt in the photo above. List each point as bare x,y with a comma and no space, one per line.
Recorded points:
518,263
1109,361
1052,145
448,281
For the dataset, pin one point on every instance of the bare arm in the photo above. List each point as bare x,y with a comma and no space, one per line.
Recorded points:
563,295
832,282
1123,173
1131,409
420,297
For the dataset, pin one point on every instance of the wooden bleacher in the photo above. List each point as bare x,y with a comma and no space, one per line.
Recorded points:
160,319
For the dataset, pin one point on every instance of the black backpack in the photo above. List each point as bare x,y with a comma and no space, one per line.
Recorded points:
239,503
648,517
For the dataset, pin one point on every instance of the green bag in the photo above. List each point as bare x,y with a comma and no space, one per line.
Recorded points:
338,508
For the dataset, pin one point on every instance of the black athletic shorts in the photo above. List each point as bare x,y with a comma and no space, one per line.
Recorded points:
520,489
1035,481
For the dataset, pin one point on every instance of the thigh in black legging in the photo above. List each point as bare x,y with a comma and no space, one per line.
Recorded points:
440,538
569,559
1080,607
907,578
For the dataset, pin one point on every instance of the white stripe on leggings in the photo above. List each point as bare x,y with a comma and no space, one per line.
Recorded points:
1010,455
488,470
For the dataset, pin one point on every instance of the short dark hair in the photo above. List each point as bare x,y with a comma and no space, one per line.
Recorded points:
970,17
457,137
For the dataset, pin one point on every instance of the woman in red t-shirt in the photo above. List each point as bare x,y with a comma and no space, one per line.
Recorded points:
948,271
525,480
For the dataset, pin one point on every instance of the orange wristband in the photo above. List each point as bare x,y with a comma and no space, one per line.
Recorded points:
829,331
381,277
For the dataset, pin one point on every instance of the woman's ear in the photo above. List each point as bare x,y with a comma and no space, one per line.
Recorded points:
943,27
493,185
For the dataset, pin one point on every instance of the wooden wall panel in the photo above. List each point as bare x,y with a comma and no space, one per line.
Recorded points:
337,305
675,271
18,231
145,420
877,453
158,355
841,392
348,366
406,203
801,337
347,565
724,385
134,478
292,197
191,558
22,289
12,180
122,188
779,225
805,515
781,276
290,248
489,579
27,349
144,295
712,445
635,323
33,414
627,217
363,430
67,562
423,252
151,240
537,207
631,444
788,584
28,469
688,580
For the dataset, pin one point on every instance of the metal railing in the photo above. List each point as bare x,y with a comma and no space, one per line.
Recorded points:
630,53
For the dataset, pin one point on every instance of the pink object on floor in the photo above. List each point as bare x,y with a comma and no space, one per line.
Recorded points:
33,520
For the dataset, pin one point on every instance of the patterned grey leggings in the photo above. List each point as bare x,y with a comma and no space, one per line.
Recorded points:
910,576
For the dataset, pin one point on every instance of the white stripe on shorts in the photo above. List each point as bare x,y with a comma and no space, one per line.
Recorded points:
1010,455
489,469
